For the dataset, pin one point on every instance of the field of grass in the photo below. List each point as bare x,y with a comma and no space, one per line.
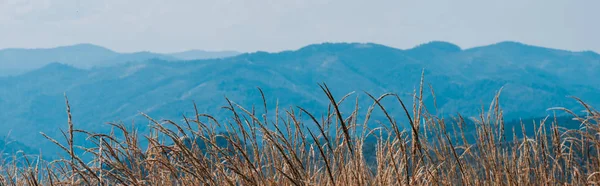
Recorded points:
341,150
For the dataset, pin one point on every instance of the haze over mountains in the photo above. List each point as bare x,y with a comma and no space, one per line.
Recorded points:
201,54
533,79
16,61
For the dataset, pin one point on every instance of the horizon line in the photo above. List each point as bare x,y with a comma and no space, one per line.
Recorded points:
283,50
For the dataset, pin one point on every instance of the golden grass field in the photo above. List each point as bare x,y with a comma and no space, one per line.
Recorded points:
257,151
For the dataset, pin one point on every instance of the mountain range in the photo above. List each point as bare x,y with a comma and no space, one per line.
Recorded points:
16,61
532,79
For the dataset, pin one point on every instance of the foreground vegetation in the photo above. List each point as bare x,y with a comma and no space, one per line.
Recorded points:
341,150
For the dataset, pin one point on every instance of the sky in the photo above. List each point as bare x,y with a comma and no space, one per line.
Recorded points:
276,25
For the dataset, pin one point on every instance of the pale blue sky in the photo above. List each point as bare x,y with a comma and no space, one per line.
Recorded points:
275,25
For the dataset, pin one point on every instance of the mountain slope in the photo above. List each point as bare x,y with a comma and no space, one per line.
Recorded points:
18,61
533,79
15,61
201,54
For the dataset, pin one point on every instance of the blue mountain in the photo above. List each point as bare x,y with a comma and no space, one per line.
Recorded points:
17,61
201,54
464,80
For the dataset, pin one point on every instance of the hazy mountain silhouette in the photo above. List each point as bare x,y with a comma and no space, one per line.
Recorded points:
465,80
201,54
18,61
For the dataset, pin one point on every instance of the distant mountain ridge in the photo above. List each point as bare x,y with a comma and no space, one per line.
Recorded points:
533,79
202,54
15,61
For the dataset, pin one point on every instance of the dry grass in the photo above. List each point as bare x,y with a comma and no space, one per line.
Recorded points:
258,151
